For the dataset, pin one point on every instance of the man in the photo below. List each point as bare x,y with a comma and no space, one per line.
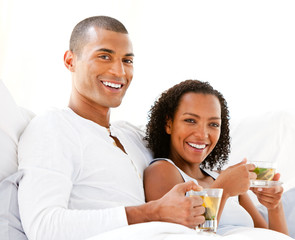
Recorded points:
83,176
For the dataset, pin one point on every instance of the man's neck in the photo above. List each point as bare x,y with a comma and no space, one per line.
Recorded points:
95,113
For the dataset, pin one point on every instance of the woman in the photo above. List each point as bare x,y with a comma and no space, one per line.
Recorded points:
188,132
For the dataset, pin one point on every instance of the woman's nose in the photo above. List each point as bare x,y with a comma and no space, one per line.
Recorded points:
201,131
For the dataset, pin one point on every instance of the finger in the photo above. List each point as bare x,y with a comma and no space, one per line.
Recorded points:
198,210
276,177
244,161
250,166
196,201
272,190
199,219
252,175
269,200
195,221
268,196
182,188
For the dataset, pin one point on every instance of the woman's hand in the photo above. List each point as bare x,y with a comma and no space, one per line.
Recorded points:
270,197
235,180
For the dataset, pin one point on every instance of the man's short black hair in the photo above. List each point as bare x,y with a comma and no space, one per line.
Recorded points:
79,35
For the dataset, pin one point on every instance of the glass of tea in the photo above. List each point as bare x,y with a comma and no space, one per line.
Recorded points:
265,172
211,201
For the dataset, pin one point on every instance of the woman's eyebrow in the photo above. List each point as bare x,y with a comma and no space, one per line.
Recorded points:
197,116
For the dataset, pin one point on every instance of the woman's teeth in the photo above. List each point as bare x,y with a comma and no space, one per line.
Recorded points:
197,146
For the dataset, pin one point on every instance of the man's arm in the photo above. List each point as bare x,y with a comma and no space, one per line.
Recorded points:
43,204
50,154
172,207
47,216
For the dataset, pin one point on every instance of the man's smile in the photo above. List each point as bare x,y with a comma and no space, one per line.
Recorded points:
112,85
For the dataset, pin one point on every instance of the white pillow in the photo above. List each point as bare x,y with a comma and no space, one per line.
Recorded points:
269,136
10,224
13,121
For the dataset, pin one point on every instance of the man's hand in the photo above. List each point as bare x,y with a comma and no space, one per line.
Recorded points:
235,179
173,207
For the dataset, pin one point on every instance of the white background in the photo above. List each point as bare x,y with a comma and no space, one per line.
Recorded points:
245,49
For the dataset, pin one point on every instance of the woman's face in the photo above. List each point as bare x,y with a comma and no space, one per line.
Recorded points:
195,128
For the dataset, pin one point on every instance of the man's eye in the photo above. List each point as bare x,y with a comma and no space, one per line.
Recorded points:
129,61
105,57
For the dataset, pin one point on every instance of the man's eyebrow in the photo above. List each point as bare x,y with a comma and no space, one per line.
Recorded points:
129,54
105,50
112,52
197,116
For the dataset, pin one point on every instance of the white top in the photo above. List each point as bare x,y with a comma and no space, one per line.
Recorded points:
76,181
233,213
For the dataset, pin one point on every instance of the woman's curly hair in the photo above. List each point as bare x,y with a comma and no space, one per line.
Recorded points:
165,107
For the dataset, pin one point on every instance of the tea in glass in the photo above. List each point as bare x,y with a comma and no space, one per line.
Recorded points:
211,201
265,172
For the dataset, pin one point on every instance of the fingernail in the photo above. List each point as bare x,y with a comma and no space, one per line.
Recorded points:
259,189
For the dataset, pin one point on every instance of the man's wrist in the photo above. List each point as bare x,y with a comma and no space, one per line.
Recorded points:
143,213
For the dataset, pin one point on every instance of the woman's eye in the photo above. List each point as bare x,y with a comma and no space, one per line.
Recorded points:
190,120
217,125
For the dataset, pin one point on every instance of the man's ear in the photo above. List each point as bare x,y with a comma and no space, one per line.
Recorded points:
168,126
69,60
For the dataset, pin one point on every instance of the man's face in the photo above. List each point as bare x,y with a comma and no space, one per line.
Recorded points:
104,69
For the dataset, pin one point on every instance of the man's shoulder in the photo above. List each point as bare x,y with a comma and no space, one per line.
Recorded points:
129,128
51,116
51,120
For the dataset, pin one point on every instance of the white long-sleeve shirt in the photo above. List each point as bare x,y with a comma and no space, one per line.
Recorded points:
77,182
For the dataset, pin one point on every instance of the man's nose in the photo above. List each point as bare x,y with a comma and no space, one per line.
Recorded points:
118,69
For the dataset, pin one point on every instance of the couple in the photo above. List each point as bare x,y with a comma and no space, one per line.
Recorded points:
83,176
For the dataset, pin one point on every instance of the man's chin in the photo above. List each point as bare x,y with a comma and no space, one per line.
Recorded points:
115,105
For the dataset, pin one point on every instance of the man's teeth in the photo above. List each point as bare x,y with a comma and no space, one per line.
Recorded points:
197,146
113,85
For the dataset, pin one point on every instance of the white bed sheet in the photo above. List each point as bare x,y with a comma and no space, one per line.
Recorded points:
170,231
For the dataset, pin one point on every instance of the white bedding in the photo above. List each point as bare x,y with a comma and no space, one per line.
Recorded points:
170,231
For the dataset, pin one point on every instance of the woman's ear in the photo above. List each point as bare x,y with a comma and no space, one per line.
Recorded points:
168,126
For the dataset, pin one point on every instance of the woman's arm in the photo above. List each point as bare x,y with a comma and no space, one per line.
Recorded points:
159,178
234,180
246,202
162,185
271,199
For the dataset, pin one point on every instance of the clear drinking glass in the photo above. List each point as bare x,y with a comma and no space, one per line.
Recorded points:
211,201
265,172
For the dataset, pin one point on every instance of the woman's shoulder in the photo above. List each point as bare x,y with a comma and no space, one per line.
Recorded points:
159,178
163,169
161,164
